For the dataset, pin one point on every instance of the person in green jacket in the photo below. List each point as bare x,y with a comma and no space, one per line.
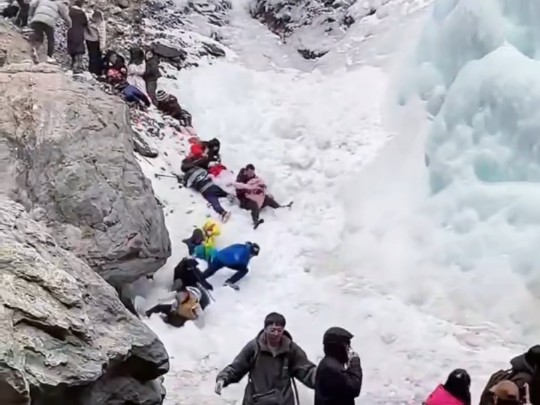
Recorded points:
272,361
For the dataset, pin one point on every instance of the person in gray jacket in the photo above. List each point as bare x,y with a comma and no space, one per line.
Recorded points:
43,15
272,361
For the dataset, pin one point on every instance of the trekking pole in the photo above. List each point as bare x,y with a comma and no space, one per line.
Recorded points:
164,175
206,291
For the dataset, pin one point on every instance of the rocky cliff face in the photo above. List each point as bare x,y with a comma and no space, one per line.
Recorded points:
72,166
315,26
65,337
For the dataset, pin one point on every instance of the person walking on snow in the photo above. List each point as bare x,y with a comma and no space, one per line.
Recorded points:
251,192
272,361
75,36
236,257
43,15
151,74
96,42
455,391
339,374
199,180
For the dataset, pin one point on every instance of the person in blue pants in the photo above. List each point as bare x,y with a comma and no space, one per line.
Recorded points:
236,257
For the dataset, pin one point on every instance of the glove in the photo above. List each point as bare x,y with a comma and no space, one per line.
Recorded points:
352,355
219,386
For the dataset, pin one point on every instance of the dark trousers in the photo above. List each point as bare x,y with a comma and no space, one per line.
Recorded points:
41,30
252,206
95,58
151,87
212,194
216,265
186,119
77,63
22,17
160,309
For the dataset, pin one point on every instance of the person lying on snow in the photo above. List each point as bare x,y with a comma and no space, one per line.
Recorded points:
205,155
186,306
338,379
169,105
235,257
525,373
455,391
199,180
251,192
272,361
188,274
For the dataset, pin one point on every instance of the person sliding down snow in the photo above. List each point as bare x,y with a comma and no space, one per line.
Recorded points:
185,307
187,274
455,391
203,154
235,257
199,180
251,192
272,361
338,380
202,243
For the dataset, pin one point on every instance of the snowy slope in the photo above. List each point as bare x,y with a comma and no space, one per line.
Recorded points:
365,248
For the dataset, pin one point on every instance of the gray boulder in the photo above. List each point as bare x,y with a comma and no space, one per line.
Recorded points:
69,149
65,338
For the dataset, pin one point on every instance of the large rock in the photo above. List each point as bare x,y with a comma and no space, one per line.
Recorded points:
71,157
65,338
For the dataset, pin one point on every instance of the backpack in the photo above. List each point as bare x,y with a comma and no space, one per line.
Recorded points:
521,379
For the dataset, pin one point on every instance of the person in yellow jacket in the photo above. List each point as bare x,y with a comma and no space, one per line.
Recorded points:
211,231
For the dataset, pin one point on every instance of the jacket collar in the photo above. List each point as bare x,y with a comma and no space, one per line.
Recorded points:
284,347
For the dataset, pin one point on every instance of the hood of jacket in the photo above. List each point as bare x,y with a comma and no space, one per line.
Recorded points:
520,364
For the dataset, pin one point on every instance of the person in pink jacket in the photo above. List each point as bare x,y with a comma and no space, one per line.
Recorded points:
252,194
455,391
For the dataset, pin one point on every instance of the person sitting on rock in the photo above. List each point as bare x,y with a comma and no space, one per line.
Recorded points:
151,75
169,105
114,66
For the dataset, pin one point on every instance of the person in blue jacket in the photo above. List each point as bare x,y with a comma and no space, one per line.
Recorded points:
235,257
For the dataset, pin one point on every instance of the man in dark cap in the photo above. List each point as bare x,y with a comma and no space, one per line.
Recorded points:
339,373
272,361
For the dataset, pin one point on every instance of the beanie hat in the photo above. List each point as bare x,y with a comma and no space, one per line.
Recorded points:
337,335
274,318
161,95
506,390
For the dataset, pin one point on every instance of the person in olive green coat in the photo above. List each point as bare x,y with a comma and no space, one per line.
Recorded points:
272,361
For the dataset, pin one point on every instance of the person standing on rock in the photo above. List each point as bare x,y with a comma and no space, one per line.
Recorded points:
136,69
151,75
75,36
43,15
22,16
96,37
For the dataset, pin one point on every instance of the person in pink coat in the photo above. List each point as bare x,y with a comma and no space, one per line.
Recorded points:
252,194
455,391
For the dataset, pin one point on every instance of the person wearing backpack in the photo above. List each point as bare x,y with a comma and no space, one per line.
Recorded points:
525,372
272,361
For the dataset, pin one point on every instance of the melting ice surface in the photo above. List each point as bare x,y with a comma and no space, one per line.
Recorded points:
433,267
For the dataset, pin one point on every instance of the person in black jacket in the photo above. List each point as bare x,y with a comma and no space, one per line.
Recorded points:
75,36
188,274
151,75
339,374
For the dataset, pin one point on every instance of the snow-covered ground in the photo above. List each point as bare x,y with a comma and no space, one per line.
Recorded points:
365,246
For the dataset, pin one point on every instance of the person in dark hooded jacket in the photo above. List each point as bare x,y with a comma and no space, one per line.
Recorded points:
196,239
151,74
76,46
272,361
188,274
339,373
169,105
525,371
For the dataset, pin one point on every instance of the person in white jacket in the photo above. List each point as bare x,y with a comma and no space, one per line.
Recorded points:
95,36
43,15
136,69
